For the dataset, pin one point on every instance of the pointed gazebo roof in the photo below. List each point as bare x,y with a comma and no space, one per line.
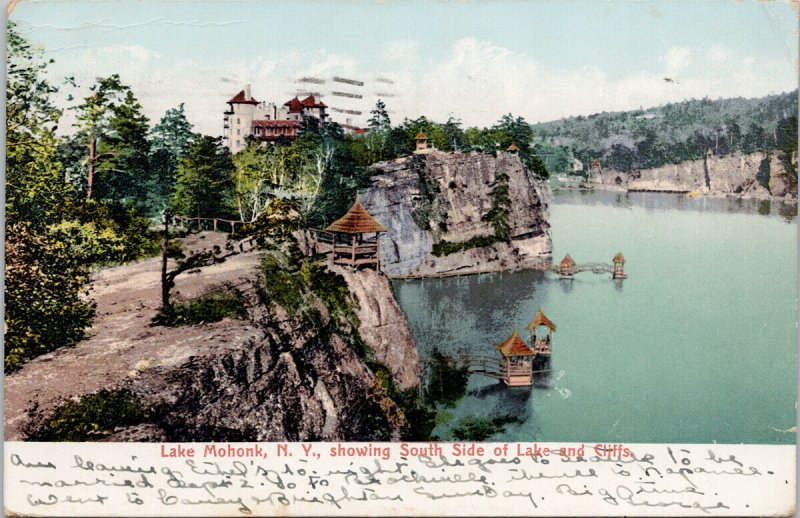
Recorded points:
356,221
514,346
618,259
567,262
541,320
513,147
421,136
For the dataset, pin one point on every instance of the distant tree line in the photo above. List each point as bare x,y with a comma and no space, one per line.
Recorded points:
674,132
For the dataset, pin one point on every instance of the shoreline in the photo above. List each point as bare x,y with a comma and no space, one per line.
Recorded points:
718,196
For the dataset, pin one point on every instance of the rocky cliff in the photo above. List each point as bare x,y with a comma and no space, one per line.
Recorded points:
755,175
316,357
443,198
383,325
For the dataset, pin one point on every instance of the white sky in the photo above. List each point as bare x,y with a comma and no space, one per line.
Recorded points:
477,60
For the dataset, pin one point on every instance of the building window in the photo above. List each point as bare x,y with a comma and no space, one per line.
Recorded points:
238,131
237,143
238,120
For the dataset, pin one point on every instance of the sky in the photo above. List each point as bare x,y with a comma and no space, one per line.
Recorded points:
474,60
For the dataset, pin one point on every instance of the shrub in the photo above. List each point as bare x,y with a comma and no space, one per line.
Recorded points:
92,417
106,233
211,306
443,248
480,428
45,303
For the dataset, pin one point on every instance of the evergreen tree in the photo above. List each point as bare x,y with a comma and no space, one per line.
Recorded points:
93,123
454,137
379,120
169,140
205,181
173,132
125,173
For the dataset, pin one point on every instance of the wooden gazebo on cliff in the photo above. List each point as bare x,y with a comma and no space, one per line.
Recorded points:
541,344
355,238
619,262
512,148
421,141
517,364
566,266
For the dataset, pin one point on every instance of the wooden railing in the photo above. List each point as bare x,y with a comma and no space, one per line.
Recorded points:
215,222
586,267
357,249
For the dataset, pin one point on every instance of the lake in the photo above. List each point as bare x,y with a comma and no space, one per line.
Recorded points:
698,345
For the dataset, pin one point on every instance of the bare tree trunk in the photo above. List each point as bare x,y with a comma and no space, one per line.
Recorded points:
165,303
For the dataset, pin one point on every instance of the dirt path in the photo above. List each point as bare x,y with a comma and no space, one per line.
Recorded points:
120,343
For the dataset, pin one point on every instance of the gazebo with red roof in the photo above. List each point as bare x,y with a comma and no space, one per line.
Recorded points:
619,271
422,141
353,244
566,266
517,361
541,343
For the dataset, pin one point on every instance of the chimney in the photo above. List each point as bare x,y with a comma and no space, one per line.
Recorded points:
247,92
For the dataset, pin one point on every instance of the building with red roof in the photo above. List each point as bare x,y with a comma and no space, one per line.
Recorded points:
265,122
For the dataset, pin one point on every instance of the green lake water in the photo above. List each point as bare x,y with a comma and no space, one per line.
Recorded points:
698,345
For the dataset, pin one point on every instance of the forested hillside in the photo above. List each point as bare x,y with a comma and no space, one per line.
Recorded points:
671,133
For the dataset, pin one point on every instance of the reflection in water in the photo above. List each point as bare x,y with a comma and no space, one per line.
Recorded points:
542,372
628,357
664,201
788,211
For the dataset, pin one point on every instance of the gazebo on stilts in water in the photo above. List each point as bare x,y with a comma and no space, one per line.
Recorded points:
520,359
356,238
517,361
541,340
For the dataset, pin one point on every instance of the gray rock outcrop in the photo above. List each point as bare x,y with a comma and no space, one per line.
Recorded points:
457,199
741,175
383,325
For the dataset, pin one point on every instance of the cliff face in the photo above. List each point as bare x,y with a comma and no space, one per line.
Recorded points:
293,382
732,175
281,373
383,325
301,379
443,197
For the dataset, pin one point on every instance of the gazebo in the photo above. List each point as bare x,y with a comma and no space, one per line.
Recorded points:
619,261
517,365
567,266
422,141
353,242
541,344
512,148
